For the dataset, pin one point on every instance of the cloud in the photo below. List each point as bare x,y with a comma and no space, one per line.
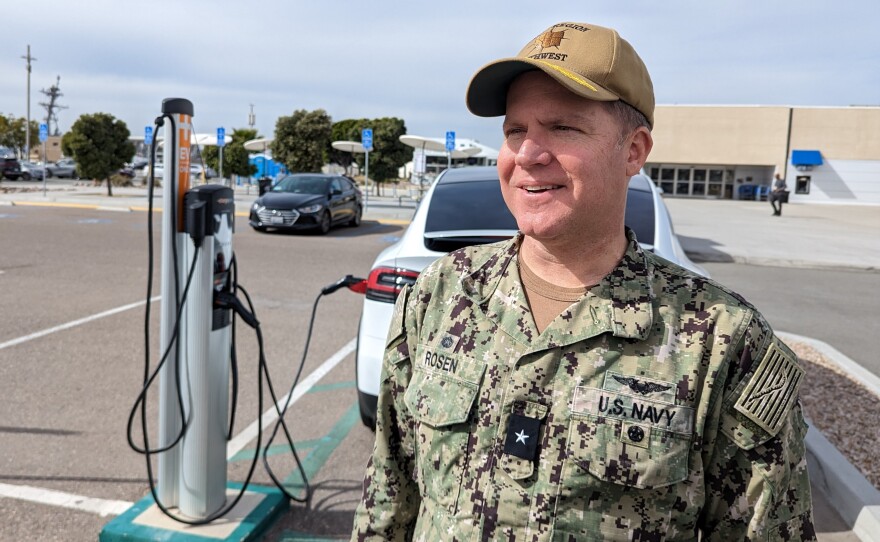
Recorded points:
411,59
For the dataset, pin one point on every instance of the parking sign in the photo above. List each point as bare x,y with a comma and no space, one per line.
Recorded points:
148,135
367,138
221,137
450,141
44,132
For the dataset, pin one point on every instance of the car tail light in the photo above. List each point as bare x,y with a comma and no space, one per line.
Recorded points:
384,283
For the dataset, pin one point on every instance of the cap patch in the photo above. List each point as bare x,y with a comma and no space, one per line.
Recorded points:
550,38
773,388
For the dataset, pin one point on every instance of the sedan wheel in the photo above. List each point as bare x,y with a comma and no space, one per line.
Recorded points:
356,219
324,226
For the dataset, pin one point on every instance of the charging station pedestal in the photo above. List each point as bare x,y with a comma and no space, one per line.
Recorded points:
192,474
175,245
210,213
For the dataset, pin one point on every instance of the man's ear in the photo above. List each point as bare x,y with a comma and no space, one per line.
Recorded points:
640,143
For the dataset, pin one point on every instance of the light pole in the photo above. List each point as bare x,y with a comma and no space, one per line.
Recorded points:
27,128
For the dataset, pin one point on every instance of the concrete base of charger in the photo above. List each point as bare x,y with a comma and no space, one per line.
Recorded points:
144,521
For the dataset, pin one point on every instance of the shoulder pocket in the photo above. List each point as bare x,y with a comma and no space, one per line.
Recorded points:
759,407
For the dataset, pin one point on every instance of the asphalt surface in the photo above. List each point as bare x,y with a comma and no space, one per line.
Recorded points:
65,395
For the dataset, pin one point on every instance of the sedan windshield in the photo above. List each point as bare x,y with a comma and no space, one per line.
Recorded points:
302,185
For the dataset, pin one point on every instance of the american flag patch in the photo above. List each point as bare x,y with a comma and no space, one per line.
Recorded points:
773,389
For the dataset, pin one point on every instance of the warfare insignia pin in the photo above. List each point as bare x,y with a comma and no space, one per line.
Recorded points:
522,437
638,386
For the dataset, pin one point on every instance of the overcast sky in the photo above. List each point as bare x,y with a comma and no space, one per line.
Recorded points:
413,59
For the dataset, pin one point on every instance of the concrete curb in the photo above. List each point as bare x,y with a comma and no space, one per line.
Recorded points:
141,208
866,378
849,492
704,257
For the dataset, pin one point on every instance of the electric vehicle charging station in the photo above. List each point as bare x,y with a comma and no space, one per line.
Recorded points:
199,303
192,476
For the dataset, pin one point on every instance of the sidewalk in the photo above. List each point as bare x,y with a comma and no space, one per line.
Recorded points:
806,235
83,194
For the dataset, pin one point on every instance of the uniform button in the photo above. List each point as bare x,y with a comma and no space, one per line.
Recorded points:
635,433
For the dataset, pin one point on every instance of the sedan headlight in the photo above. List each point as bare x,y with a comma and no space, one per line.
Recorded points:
311,208
256,206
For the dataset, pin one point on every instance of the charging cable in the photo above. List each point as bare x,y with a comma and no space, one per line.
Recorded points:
225,300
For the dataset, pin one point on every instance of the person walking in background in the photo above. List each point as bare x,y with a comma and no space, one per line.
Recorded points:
778,193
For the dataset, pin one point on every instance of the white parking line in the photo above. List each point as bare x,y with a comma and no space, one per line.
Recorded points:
74,323
110,507
250,432
101,507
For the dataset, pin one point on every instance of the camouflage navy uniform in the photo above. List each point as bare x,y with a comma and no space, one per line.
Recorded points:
659,406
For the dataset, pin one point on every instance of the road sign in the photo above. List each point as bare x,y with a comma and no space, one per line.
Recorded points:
221,137
44,131
450,141
148,135
367,139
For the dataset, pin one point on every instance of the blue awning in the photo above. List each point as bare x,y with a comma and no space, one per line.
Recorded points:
806,158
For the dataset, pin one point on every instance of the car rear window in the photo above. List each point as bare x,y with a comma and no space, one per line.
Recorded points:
478,205
475,205
640,214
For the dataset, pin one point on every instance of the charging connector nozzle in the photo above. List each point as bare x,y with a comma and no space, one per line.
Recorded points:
226,300
346,281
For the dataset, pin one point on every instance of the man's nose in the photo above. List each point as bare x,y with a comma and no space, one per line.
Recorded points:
532,152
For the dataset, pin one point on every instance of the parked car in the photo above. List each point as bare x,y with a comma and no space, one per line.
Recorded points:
464,207
197,168
312,201
30,170
10,168
65,167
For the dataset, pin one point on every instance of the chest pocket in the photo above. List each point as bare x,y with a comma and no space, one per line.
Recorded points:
628,440
441,397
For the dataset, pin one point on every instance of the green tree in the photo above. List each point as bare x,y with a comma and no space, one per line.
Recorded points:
99,144
388,153
235,157
302,139
13,136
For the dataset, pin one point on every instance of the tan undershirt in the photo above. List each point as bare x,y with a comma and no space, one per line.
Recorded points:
546,300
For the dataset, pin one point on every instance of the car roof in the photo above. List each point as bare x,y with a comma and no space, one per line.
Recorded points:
468,174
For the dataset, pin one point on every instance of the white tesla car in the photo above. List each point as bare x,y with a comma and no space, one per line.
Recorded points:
464,207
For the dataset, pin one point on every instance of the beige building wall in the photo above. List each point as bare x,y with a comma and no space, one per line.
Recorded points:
729,135
851,133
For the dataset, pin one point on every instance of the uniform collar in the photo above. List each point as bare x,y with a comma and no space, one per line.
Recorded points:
620,304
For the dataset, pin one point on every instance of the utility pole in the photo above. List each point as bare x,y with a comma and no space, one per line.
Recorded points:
53,93
27,130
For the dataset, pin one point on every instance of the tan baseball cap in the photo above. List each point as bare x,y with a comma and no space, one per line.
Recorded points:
591,61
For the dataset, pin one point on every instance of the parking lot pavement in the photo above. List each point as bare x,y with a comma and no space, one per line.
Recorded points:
73,361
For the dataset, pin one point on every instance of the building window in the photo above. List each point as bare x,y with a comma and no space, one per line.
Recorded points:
802,184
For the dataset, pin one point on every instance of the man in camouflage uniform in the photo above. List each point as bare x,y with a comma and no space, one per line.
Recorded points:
567,385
